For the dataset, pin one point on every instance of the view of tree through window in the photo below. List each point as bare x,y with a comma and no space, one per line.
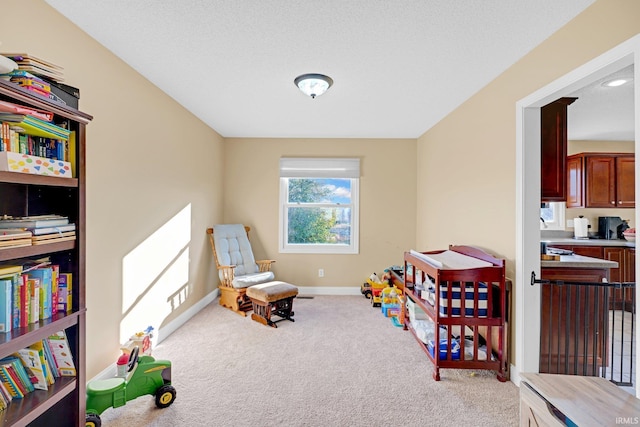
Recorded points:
319,211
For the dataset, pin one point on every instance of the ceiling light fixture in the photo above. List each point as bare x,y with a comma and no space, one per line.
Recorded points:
616,82
313,84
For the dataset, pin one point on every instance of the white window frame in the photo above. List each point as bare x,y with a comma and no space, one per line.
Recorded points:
319,168
557,223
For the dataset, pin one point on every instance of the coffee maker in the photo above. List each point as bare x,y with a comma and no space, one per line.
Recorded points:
611,227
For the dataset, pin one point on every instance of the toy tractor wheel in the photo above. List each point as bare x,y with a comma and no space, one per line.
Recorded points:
93,420
367,294
165,396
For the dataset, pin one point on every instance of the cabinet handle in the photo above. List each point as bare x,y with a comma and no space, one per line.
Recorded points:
613,202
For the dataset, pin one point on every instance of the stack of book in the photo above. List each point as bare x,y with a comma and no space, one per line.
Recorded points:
35,368
37,66
39,230
30,125
30,293
15,238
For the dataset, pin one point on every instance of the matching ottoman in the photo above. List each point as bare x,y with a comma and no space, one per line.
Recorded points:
272,298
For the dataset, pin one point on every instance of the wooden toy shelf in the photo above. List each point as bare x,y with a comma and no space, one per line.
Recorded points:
466,302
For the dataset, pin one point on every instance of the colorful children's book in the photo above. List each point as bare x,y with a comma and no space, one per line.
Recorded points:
9,383
6,304
33,286
51,362
25,376
24,301
31,360
44,275
47,368
64,292
62,354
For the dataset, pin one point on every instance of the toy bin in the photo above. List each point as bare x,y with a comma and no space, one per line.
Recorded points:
455,349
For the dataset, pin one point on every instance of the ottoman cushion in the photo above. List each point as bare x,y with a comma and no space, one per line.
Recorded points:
272,291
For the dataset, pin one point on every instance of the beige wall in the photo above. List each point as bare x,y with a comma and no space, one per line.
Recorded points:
463,191
147,160
466,174
387,204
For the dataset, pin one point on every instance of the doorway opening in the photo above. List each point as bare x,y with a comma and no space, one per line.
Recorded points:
528,193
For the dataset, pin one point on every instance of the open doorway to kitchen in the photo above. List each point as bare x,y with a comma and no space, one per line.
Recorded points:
528,193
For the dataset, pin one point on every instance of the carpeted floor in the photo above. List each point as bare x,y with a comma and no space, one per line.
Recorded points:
341,363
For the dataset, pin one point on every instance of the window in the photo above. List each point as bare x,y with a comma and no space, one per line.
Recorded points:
319,205
552,216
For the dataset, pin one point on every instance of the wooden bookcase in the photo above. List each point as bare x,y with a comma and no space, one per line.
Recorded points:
480,294
23,194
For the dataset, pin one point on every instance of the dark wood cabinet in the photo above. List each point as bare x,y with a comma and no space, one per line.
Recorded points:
625,181
23,194
625,272
601,180
553,133
622,299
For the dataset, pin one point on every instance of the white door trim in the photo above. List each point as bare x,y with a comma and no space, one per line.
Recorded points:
527,304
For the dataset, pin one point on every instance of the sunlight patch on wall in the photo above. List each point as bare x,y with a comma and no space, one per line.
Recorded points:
153,273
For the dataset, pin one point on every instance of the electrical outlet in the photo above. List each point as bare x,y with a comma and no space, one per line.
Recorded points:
570,223
321,272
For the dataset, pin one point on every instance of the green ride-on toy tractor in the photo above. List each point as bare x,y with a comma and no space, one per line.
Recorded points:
145,375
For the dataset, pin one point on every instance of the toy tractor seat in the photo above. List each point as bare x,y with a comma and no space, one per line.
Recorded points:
108,387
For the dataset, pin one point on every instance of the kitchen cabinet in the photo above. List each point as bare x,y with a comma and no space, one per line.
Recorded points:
622,299
553,133
625,272
601,180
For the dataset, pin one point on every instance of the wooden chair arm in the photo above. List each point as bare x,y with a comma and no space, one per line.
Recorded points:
227,275
265,264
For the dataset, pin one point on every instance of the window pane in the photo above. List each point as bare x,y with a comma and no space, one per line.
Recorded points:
310,225
319,190
547,213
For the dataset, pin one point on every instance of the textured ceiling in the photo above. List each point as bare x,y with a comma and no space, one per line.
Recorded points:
603,113
398,66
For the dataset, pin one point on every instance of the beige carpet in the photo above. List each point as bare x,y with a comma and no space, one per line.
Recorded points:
341,363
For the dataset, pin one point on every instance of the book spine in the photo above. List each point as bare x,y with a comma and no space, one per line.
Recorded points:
9,384
23,143
25,301
55,274
18,290
34,294
6,305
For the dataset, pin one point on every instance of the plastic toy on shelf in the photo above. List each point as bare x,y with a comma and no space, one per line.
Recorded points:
372,289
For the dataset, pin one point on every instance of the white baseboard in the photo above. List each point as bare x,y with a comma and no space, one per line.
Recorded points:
172,326
165,331
322,290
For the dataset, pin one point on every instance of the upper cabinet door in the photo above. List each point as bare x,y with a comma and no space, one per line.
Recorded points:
553,132
625,181
601,182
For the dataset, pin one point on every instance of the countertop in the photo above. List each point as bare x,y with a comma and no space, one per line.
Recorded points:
579,261
586,401
550,241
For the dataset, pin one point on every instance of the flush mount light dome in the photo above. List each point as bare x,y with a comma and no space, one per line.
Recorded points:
313,84
616,82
